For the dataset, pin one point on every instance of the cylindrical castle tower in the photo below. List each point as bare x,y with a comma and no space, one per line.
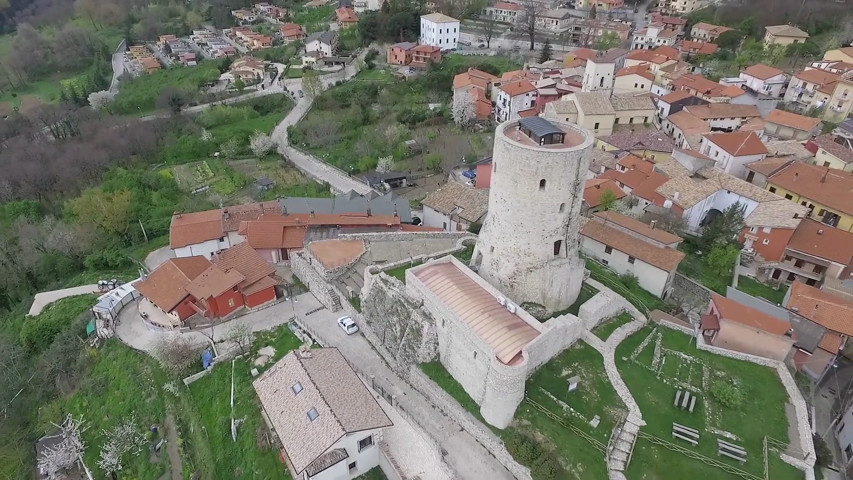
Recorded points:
528,245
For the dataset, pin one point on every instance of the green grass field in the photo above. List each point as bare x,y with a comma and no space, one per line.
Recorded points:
641,299
758,289
605,328
761,413
139,96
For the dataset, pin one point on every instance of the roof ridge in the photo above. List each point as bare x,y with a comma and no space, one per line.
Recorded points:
299,359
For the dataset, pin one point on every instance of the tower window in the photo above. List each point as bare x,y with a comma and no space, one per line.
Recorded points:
562,207
542,184
557,246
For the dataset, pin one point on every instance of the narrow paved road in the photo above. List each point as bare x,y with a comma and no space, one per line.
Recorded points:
118,66
463,453
44,299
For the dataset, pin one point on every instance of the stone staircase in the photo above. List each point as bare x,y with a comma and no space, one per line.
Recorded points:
622,447
335,299
353,279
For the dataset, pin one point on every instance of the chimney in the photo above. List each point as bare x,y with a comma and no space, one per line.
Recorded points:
368,212
820,231
675,196
652,224
305,351
312,214
226,214
796,176
823,178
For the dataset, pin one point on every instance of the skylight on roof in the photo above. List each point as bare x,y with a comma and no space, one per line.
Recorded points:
312,414
296,387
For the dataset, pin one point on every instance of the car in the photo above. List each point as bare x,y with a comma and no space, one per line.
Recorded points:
470,183
469,174
348,325
482,45
468,44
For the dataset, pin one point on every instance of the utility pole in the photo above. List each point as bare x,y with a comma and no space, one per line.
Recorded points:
143,230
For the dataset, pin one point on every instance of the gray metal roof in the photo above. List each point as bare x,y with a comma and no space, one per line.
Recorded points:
539,126
351,202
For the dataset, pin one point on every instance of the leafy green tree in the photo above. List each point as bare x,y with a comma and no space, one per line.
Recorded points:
608,200
607,41
730,40
239,84
433,161
108,211
724,227
721,260
545,54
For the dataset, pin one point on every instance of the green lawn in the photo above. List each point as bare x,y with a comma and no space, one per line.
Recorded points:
210,398
548,388
761,413
465,255
605,328
758,289
314,19
455,61
356,303
47,90
400,272
139,96
640,298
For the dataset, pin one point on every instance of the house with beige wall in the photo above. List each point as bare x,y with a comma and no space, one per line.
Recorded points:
734,326
783,35
844,54
600,112
833,151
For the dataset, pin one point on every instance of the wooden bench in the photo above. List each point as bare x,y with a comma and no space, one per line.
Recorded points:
677,398
690,435
685,438
685,400
692,403
730,450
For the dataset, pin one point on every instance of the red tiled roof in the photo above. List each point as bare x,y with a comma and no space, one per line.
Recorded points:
519,87
641,70
740,313
822,241
762,72
738,143
788,119
191,228
818,77
831,311
596,187
661,257
165,286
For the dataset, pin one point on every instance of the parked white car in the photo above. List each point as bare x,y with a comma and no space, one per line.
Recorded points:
348,325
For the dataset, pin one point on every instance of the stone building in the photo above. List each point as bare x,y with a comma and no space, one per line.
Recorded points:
528,246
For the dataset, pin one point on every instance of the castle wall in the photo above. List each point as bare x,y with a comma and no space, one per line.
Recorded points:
516,247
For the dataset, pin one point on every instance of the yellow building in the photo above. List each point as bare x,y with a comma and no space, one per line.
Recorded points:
837,100
830,153
603,4
648,143
839,55
783,35
826,192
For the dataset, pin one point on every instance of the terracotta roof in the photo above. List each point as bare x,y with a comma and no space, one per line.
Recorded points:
595,188
833,188
661,257
641,70
275,234
165,285
723,110
473,77
507,6
244,259
506,333
740,313
336,252
833,312
697,47
453,198
260,285
647,189
732,91
649,56
232,216
831,341
645,139
828,143
822,241
698,83
738,143
191,228
716,29
710,322
667,51
788,119
762,71
786,31
519,87
345,14
329,386
213,282
584,53
675,96
638,227
818,77
633,162
688,123
769,165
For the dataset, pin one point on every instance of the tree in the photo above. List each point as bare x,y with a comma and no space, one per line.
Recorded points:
545,54
730,40
99,100
433,161
67,452
122,441
723,228
464,109
593,12
608,200
607,41
239,84
206,136
177,353
30,51
531,11
230,148
721,260
173,99
489,24
311,84
385,164
261,144
242,335
108,211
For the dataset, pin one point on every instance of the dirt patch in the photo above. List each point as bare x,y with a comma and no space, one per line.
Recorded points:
172,447
452,144
30,103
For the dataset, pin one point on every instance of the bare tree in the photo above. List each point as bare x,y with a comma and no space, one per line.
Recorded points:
123,440
489,24
385,164
67,452
177,353
242,335
311,83
532,10
464,110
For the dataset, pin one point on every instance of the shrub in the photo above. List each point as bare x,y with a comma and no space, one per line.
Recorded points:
522,448
629,280
822,451
108,259
728,394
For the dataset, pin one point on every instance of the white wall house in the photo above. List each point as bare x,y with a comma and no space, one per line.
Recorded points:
205,249
514,98
598,75
844,435
732,151
653,36
315,394
764,79
719,200
439,30
323,42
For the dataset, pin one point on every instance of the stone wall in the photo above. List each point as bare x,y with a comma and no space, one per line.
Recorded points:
316,284
329,274
405,331
603,305
397,236
689,293
450,407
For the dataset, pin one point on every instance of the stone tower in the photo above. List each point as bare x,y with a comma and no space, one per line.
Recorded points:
528,245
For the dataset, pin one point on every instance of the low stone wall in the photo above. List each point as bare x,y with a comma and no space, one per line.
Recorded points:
450,407
689,293
666,320
398,236
388,465
330,274
603,305
316,284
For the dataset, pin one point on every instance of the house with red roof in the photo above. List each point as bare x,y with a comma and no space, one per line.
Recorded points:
636,78
594,193
514,98
734,326
692,48
765,80
732,151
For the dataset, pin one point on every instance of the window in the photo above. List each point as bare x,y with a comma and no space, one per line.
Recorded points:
475,354
630,120
772,189
296,387
789,196
631,259
803,203
635,85
230,302
352,467
312,414
753,229
595,127
494,166
365,442
562,207
601,82
791,277
557,246
645,119
542,184
605,262
825,164
608,250
444,225
819,269
766,241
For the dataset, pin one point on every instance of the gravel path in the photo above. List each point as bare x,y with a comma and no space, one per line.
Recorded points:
44,299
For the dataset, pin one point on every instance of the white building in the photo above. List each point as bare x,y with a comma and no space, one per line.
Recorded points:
653,36
328,421
599,74
506,12
324,43
765,79
454,207
556,20
732,151
534,207
630,246
439,30
513,99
